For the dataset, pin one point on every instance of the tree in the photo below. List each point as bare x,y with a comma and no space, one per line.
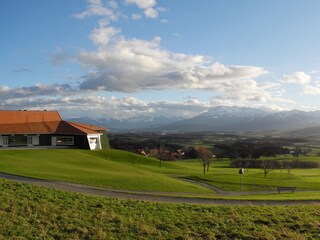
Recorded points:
287,165
161,153
206,157
256,153
296,152
267,165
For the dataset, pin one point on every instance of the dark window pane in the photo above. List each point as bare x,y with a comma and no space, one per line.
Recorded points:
65,141
17,140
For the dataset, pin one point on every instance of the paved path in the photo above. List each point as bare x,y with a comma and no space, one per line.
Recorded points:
223,193
140,195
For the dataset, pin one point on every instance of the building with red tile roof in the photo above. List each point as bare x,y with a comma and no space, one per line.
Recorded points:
46,128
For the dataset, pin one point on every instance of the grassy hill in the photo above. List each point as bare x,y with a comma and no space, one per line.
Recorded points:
107,168
31,212
123,170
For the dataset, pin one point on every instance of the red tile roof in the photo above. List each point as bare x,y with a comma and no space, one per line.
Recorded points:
29,128
41,122
89,129
13,117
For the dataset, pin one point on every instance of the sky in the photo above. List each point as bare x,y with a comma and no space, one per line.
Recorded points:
173,58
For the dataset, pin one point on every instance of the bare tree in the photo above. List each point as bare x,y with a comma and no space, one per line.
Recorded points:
267,165
296,152
161,153
206,157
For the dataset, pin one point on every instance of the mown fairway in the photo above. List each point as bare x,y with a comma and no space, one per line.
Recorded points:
31,212
253,179
110,169
122,170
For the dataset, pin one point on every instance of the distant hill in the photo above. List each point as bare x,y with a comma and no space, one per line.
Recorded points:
219,119
303,133
231,119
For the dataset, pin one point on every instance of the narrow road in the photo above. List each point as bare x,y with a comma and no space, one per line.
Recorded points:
222,193
139,195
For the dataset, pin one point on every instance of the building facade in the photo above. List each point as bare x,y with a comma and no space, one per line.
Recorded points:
46,128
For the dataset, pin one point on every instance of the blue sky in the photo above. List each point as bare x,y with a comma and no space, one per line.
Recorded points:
148,57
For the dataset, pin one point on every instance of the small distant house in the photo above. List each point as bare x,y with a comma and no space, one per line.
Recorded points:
142,152
46,128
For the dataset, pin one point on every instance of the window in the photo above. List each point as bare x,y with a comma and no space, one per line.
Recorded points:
17,140
65,141
93,140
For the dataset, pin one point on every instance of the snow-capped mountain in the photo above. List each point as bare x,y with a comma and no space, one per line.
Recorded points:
220,119
246,119
141,122
218,112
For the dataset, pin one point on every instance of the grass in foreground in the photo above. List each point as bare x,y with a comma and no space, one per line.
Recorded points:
31,212
257,196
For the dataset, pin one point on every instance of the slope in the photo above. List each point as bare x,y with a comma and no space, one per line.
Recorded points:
107,168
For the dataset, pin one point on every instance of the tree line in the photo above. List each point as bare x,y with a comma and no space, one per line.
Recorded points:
275,164
267,165
249,149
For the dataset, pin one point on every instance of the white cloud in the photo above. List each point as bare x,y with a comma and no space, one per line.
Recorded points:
275,103
125,107
85,103
97,8
136,16
113,4
143,4
134,65
147,6
162,9
35,91
309,87
101,36
312,90
164,21
297,77
131,65
151,13
90,104
69,100
248,92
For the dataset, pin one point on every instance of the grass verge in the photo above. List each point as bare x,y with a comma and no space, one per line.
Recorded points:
31,212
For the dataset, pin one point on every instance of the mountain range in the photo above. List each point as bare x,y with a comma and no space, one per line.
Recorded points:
142,123
219,119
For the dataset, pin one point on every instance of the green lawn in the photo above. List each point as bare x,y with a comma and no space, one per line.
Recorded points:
107,168
253,180
122,170
31,212
290,158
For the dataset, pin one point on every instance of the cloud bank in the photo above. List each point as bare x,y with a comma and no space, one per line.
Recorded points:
133,65
301,78
130,65
297,77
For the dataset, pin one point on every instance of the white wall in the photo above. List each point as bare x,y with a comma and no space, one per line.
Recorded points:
94,145
35,140
53,141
